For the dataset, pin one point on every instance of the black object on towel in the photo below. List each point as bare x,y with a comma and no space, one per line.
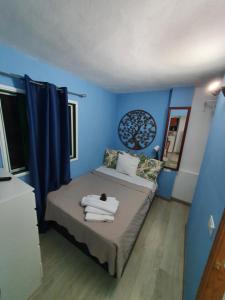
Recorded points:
103,197
5,178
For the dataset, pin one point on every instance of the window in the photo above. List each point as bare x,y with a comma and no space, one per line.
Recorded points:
14,130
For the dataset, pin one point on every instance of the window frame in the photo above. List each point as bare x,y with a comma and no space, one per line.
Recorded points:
3,140
74,102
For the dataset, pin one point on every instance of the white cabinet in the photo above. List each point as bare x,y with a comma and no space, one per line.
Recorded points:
20,259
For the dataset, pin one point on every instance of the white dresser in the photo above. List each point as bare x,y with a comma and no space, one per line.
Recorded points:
20,259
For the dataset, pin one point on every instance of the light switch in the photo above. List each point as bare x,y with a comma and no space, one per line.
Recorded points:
211,225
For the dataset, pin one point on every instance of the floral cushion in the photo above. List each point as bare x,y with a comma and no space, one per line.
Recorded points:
149,168
110,158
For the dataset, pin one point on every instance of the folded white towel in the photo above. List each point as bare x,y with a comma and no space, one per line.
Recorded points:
99,218
90,209
110,205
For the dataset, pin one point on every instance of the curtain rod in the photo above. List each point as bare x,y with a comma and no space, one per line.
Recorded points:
11,75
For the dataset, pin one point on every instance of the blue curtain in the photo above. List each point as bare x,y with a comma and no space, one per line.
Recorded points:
49,141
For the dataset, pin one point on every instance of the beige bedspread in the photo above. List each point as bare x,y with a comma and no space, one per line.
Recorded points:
109,242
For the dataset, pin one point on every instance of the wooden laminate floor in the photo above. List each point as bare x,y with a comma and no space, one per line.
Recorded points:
154,270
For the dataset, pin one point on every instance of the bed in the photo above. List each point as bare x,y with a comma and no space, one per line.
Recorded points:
110,243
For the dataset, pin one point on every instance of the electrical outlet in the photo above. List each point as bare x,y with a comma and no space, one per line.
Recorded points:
211,225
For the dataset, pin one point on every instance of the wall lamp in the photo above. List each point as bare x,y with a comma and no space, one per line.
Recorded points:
216,87
157,149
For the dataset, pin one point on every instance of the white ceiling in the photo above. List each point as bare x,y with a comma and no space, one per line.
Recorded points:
122,45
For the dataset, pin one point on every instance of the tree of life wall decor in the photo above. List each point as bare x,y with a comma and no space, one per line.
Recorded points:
137,129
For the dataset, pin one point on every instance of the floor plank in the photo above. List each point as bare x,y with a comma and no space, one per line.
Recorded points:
154,270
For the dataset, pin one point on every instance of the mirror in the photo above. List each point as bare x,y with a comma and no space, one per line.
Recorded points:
176,128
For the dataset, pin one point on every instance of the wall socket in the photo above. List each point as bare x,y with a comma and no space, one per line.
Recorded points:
211,225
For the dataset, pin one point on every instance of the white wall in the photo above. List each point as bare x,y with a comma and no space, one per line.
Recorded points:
195,142
180,133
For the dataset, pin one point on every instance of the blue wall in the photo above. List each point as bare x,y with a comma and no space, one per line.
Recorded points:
165,183
209,199
182,96
96,112
156,103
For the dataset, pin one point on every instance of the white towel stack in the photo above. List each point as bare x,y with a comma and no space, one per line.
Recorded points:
98,210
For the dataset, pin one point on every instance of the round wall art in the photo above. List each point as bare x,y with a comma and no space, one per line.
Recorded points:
137,129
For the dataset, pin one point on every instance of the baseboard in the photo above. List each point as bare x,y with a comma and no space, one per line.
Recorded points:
174,199
180,201
163,198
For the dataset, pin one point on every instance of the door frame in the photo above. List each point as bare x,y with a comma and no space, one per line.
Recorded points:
219,239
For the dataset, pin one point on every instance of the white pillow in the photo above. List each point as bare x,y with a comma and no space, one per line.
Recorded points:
127,164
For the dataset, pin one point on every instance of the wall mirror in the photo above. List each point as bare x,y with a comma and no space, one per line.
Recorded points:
176,128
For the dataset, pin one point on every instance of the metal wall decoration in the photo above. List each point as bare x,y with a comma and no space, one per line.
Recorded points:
137,129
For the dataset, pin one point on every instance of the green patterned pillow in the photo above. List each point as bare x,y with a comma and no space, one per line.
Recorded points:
110,158
149,168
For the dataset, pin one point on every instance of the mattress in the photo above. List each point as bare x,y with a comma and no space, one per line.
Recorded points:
137,180
110,243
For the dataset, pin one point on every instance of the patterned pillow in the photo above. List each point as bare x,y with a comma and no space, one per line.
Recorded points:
149,168
110,158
